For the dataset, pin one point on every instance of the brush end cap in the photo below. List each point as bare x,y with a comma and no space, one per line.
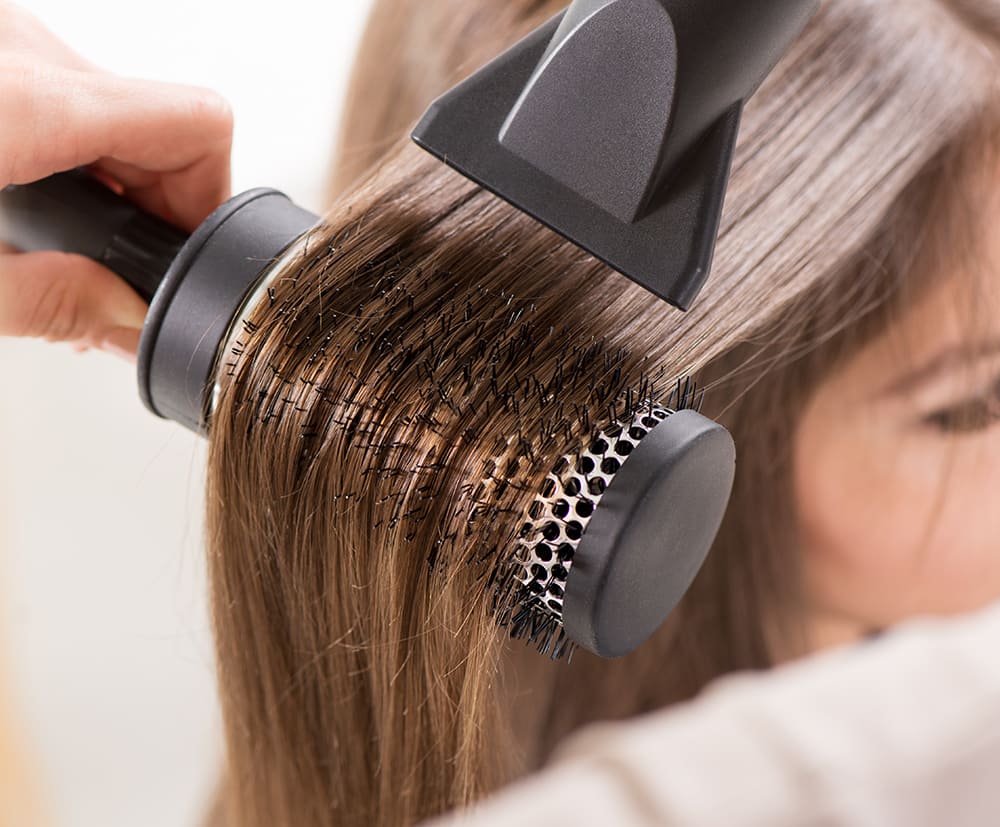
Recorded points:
201,296
651,534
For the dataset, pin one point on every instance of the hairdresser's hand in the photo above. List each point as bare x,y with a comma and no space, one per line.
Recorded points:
166,147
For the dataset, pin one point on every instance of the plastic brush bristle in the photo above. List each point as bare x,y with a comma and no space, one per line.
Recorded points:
530,595
338,349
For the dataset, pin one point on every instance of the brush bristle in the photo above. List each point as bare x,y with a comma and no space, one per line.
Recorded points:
340,349
530,593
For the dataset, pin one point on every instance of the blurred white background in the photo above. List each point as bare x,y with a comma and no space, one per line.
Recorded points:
102,597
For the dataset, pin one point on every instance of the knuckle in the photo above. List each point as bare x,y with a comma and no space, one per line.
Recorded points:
17,80
20,28
16,21
209,107
55,313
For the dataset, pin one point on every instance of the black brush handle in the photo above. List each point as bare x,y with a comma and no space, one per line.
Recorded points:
73,212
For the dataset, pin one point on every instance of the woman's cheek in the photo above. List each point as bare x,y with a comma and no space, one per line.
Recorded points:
960,563
857,504
895,524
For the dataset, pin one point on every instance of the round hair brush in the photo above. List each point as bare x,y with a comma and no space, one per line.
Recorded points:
621,526
620,529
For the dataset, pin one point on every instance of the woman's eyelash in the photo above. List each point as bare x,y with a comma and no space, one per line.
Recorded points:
974,415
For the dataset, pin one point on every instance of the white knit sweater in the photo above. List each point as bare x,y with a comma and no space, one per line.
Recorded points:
904,731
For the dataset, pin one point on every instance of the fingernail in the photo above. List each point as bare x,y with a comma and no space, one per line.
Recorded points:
133,316
122,342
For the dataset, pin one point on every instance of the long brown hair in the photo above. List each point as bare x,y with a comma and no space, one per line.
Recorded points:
399,397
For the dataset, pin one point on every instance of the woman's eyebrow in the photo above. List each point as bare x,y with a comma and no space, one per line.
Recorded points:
964,353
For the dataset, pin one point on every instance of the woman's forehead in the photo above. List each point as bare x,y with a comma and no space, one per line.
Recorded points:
963,302
957,307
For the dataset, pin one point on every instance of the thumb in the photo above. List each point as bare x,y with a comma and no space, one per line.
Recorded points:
63,297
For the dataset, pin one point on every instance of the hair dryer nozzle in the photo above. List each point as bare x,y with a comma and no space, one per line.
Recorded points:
615,124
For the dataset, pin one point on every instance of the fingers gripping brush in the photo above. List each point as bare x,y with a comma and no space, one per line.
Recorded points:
614,124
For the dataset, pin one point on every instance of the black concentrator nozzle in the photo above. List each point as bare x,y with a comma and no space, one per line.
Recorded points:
615,124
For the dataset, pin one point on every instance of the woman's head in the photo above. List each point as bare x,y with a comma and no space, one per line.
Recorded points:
897,454
397,403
